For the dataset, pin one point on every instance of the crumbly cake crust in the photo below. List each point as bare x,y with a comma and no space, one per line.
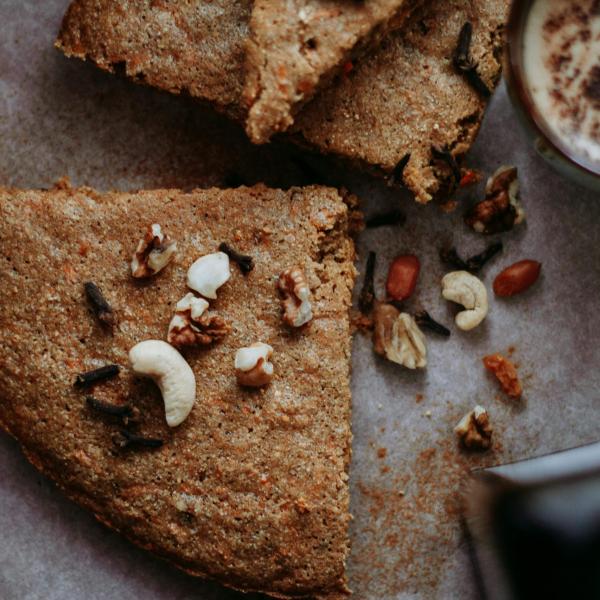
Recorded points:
252,489
399,101
296,46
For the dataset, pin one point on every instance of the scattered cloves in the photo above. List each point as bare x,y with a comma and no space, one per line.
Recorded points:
244,262
463,61
450,257
398,173
426,321
90,377
476,262
473,264
128,413
393,217
125,439
444,154
100,306
367,294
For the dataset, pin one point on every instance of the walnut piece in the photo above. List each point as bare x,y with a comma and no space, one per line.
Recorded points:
296,296
398,337
501,210
252,366
192,326
506,373
474,429
153,253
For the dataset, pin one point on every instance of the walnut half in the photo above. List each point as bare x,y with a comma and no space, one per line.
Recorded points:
252,365
474,429
501,210
192,326
296,296
398,337
153,253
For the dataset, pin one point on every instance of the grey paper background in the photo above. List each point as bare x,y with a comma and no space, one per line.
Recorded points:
60,117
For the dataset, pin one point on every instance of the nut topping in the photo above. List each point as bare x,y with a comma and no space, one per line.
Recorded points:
501,210
398,338
252,366
506,373
474,429
517,278
192,326
154,252
171,373
402,277
208,274
466,289
296,296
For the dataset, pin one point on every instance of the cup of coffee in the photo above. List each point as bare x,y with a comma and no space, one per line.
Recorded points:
553,75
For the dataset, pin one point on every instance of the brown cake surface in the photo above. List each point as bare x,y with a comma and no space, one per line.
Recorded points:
296,46
251,490
178,46
391,107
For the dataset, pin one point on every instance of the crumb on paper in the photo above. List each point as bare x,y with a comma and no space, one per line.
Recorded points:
506,373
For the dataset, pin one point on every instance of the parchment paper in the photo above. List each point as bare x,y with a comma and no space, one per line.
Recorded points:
60,117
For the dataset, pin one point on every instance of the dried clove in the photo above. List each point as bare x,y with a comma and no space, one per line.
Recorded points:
393,217
446,156
90,377
367,294
128,413
245,262
473,264
125,439
450,257
425,320
398,173
100,306
463,61
476,262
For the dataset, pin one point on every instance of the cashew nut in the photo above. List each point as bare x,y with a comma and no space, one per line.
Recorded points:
466,289
209,273
252,366
171,373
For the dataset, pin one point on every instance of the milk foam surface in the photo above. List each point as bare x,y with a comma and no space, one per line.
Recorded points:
561,52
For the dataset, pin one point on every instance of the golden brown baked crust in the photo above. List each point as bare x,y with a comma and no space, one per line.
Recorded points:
397,102
251,490
296,46
192,47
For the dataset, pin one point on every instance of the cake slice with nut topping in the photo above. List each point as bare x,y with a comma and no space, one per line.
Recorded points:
233,468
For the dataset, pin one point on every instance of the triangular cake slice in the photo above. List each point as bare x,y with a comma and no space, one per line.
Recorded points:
251,489
385,114
296,46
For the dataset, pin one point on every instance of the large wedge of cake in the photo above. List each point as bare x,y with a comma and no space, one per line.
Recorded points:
251,490
387,112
